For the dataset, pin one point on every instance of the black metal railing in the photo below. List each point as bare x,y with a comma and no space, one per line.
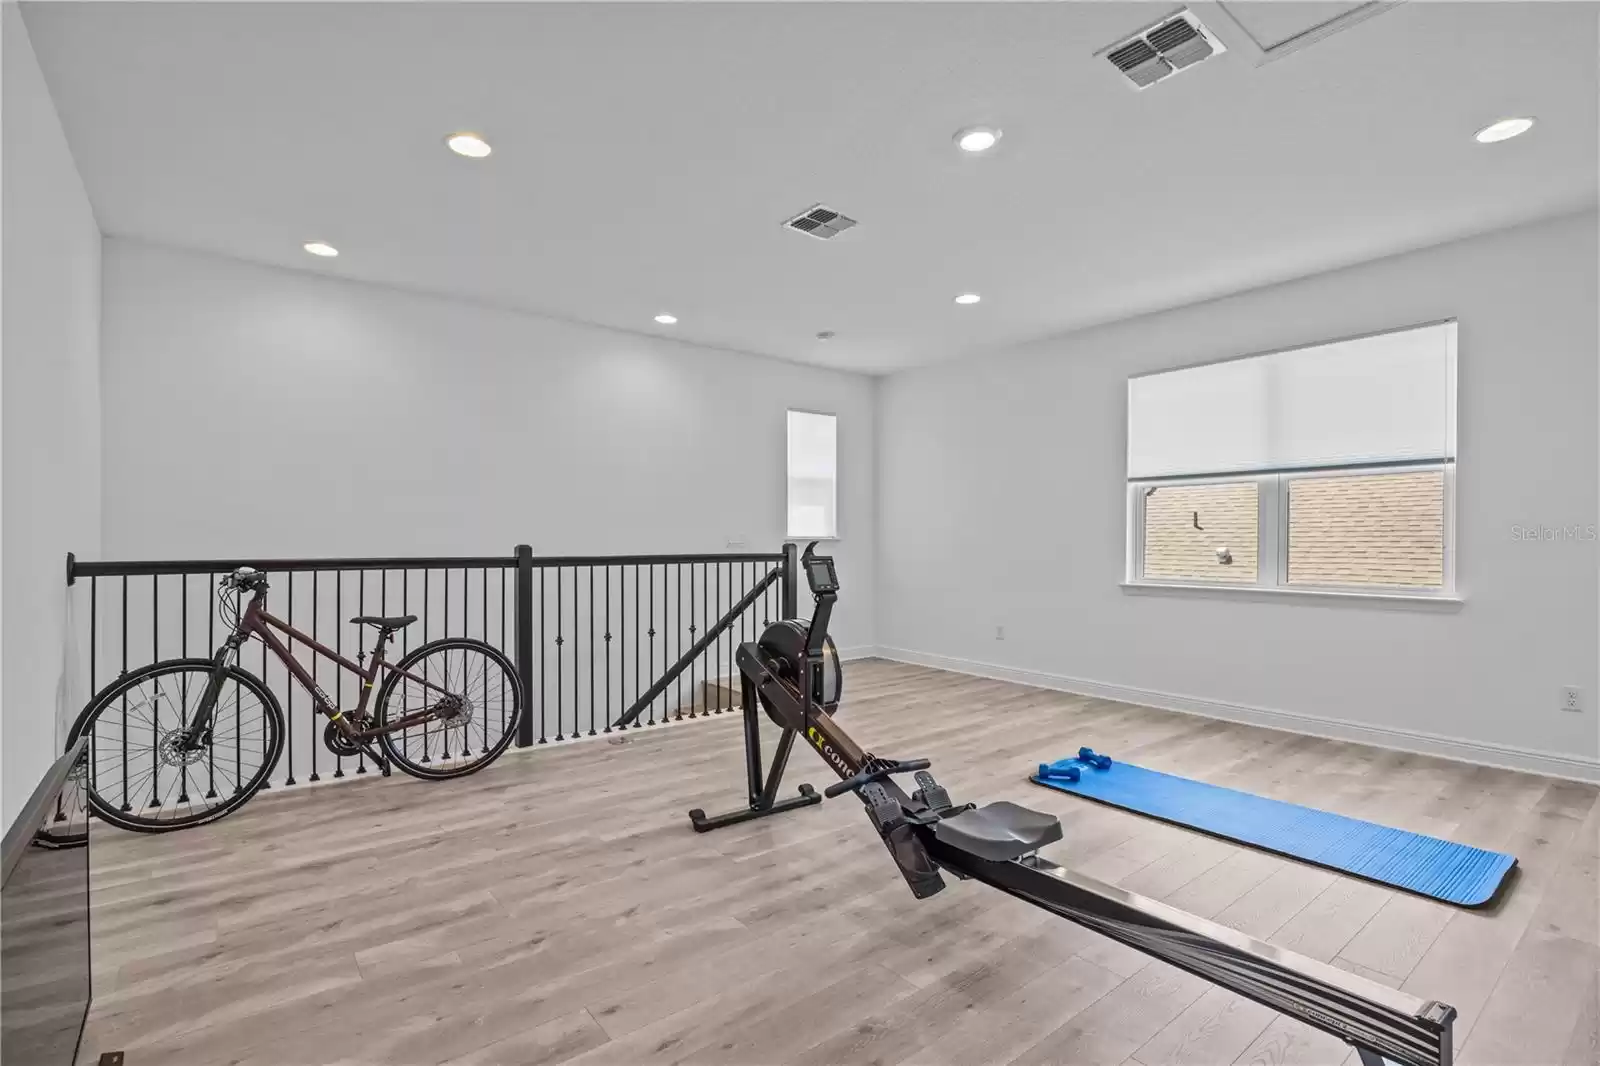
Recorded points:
591,636
606,632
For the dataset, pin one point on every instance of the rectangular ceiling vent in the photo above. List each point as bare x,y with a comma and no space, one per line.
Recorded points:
821,222
1173,44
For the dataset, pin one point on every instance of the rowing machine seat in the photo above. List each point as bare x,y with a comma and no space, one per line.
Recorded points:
998,831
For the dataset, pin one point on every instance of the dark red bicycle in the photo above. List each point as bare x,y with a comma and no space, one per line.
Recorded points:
184,742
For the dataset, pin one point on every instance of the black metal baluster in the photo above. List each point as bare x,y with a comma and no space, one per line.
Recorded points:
183,697
591,647
405,647
338,647
238,742
502,646
155,715
427,617
722,640
608,648
238,737
541,657
211,639
444,734
560,640
693,628
652,635
577,637
361,609
485,632
466,631
678,636
636,642
94,669
126,806
267,781
316,662
724,668
289,686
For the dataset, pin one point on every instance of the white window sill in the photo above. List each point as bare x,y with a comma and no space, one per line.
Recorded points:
1346,597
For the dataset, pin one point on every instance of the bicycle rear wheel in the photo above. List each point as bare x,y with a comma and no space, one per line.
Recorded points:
465,737
141,778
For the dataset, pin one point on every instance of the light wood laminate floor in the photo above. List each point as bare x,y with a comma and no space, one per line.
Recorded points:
557,908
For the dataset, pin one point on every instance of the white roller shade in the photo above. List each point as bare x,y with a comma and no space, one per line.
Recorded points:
813,475
1386,398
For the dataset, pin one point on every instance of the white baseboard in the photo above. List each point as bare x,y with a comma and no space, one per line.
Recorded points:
860,651
1549,764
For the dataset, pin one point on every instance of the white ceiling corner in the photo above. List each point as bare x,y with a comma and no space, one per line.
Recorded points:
646,155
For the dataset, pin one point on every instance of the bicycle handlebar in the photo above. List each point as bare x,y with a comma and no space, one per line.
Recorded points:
246,578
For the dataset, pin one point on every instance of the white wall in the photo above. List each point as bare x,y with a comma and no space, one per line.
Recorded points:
1002,504
257,411
50,417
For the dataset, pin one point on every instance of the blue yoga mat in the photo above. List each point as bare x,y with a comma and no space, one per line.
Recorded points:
1454,873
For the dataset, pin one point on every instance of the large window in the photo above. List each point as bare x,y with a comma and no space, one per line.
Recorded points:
813,475
1324,468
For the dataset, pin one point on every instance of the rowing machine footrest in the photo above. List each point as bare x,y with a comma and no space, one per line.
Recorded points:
1066,770
930,793
900,837
1098,761
998,831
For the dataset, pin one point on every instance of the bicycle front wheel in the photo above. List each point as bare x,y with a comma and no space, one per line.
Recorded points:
470,693
141,774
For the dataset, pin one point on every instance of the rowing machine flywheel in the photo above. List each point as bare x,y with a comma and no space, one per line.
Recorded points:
785,641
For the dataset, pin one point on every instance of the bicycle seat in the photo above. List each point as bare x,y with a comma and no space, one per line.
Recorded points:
399,621
998,831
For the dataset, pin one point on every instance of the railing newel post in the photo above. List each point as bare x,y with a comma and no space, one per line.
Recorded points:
790,606
524,554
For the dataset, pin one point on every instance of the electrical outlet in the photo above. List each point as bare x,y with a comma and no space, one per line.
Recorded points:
999,632
1572,698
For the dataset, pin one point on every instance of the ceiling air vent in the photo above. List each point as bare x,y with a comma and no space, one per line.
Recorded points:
823,223
1155,54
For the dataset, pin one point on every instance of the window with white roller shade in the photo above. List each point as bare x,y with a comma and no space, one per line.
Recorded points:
1388,398
1324,467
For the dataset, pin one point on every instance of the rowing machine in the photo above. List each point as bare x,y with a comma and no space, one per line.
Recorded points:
792,673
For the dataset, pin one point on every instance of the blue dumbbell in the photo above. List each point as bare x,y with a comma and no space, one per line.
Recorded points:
1099,762
1059,771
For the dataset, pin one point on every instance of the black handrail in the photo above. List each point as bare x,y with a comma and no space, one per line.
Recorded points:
76,568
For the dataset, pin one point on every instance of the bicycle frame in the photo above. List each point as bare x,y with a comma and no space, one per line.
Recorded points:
257,621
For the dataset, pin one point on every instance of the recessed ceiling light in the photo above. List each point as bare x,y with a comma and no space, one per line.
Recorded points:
468,144
977,139
321,248
666,320
1504,130
968,298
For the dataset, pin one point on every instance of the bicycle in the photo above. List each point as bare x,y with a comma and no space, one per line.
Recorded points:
456,692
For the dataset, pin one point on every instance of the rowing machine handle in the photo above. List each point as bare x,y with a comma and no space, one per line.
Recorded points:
867,776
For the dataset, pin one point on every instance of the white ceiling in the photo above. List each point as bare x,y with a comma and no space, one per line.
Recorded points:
645,155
